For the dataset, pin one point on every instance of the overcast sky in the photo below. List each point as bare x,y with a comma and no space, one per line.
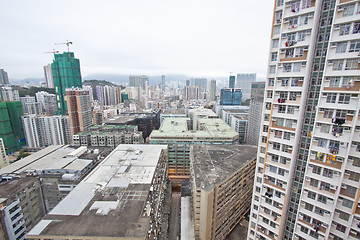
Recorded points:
197,38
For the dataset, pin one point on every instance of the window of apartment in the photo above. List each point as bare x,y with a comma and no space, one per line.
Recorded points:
341,47
274,158
309,207
328,173
306,218
281,109
322,198
347,203
289,123
306,4
325,128
259,179
325,186
328,113
356,28
311,195
283,95
338,65
265,128
295,6
291,109
291,37
316,169
261,160
331,97
279,3
304,19
348,10
257,189
295,82
269,94
293,21
292,96
272,69
276,146
314,234
289,53
354,176
340,228
304,229
278,134
351,190
301,36
262,149
287,67
283,160
287,135
286,148
344,98
275,43
297,67
266,117
344,216
278,194
263,139
268,106
344,29
270,82
334,82
257,198
276,30
352,64
278,15
314,182
281,171
322,142
319,211
341,113
354,46
274,56
256,207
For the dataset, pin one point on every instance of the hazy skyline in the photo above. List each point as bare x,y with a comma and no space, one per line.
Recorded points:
196,38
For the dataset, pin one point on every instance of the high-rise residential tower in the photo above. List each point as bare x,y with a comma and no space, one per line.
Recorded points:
212,90
79,108
66,74
4,79
243,81
308,166
201,82
49,76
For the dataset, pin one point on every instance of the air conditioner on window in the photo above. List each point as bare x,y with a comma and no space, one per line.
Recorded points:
347,173
333,187
344,186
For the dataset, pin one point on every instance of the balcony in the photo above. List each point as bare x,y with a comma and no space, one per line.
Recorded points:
274,185
336,164
287,59
273,124
321,228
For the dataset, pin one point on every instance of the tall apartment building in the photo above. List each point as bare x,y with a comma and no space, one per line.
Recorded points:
47,101
230,96
9,94
41,131
222,178
192,93
244,81
48,76
4,161
139,81
212,96
124,197
66,74
30,106
79,109
232,81
201,82
255,110
4,78
307,177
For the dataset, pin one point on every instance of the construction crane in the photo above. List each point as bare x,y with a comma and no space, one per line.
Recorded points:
53,52
67,43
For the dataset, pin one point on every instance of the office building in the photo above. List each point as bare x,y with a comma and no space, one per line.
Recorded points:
22,206
66,74
232,81
307,178
11,129
9,94
256,104
244,81
108,136
79,108
4,78
49,76
41,131
124,197
179,135
4,161
212,96
230,96
222,179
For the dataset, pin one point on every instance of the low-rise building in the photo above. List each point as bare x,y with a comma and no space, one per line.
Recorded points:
221,178
173,113
179,135
122,198
108,136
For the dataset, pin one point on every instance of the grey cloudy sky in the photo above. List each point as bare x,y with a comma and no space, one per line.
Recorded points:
197,38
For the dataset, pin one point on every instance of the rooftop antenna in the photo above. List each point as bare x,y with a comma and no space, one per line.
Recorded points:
67,44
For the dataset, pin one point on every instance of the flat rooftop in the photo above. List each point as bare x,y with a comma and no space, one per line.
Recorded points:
241,116
52,157
174,111
9,188
212,164
110,201
236,110
202,111
209,128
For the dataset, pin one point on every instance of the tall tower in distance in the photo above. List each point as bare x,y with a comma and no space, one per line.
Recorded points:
231,81
4,78
79,108
212,90
163,83
308,165
49,76
243,81
66,73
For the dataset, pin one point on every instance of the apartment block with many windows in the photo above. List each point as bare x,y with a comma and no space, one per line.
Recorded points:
308,167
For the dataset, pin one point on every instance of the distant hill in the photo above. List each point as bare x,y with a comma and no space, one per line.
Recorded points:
95,82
